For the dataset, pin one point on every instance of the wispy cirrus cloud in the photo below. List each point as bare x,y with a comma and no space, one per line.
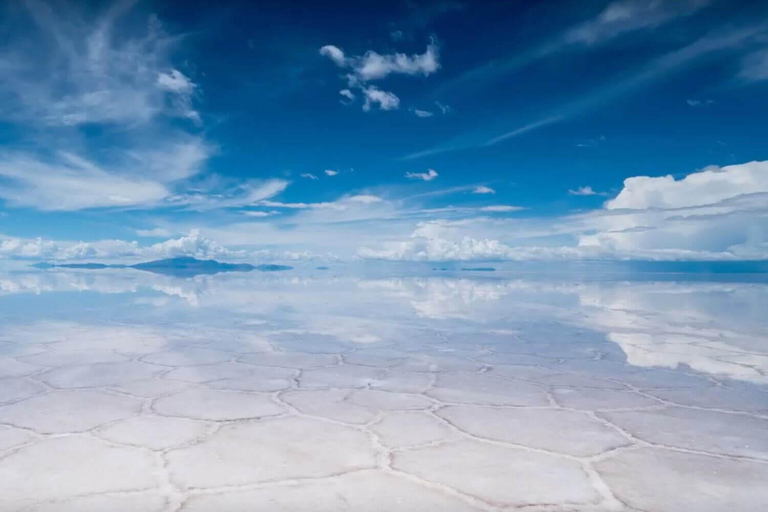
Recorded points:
105,117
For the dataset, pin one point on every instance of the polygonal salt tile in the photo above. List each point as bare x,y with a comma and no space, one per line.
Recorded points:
521,372
309,343
289,360
98,375
387,401
217,405
187,357
344,376
427,363
56,358
236,376
131,341
62,412
478,388
66,467
657,378
580,381
17,389
402,429
144,502
13,368
716,398
11,437
241,345
667,481
588,399
369,491
328,403
154,432
708,431
507,476
150,388
566,432
271,450
378,358
513,359
404,382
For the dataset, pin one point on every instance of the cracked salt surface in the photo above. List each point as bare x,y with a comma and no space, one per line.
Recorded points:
242,393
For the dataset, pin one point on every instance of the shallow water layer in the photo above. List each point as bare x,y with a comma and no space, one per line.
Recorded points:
124,391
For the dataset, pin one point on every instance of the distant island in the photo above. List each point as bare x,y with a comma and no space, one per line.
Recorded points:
479,269
185,266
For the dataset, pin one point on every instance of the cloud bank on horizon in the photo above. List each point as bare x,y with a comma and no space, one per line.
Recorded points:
124,140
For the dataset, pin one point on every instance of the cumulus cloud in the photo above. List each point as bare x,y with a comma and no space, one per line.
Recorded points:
384,99
374,66
193,245
440,241
482,189
706,187
330,172
430,175
583,191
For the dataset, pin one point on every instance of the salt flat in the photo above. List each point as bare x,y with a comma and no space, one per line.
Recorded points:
293,393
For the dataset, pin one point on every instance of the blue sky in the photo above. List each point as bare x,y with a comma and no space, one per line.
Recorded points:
444,130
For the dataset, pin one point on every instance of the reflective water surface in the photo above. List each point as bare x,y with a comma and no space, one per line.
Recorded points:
123,391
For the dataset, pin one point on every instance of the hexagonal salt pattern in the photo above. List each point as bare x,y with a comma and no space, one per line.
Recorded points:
73,466
369,491
61,412
443,414
497,474
271,450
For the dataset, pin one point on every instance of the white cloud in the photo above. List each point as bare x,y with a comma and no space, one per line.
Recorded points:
374,66
384,99
335,54
193,245
482,189
175,81
426,176
443,108
422,113
309,176
255,213
67,72
755,66
501,208
349,95
440,241
582,191
712,185
69,182
624,16
249,193
154,232
330,172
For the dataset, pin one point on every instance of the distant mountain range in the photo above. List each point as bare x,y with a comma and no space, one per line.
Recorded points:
185,267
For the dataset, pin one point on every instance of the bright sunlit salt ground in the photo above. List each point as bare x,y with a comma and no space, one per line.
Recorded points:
122,390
